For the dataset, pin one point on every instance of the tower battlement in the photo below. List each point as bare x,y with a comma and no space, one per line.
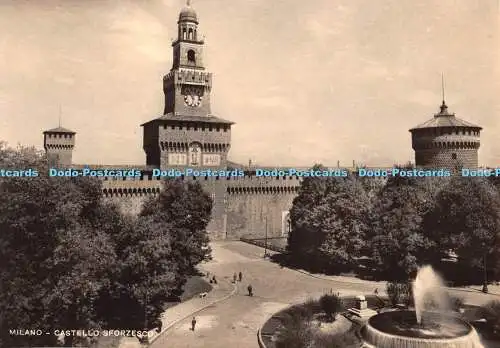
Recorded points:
186,76
59,144
446,141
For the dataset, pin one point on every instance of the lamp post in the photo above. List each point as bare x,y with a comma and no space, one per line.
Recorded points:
265,249
485,280
145,342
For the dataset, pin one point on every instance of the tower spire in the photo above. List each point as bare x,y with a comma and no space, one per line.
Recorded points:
442,85
443,107
188,2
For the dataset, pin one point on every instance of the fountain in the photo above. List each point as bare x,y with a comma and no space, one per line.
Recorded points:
423,327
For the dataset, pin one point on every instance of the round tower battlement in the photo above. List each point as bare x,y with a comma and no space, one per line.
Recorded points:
446,141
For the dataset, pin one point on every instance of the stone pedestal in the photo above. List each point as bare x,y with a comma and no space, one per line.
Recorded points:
361,309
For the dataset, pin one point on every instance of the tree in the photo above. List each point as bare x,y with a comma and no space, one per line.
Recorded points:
327,220
183,210
466,219
396,238
52,263
147,276
304,239
70,260
341,216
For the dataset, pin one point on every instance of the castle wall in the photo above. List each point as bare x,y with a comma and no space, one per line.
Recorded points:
249,213
254,202
241,206
128,203
131,193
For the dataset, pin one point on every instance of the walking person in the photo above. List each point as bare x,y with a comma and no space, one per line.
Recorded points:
250,290
193,324
234,278
240,276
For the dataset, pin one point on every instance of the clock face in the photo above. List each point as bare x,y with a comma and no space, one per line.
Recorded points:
193,96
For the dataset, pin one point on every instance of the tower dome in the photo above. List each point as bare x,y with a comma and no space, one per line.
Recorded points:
188,14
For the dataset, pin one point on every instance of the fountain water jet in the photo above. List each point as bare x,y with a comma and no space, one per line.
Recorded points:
422,328
429,286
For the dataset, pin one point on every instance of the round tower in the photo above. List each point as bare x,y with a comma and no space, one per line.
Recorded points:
446,141
59,143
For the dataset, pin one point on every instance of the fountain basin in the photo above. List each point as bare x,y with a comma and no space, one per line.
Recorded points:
400,329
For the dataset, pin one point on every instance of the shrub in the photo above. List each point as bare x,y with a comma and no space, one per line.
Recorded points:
330,304
300,312
491,312
443,302
456,303
399,293
296,333
312,306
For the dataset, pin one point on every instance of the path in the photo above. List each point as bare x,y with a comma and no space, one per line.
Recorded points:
220,291
235,321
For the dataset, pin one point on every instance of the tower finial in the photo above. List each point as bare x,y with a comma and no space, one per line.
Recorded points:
442,84
188,2
443,107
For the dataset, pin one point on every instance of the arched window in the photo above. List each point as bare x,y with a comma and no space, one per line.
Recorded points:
191,56
190,34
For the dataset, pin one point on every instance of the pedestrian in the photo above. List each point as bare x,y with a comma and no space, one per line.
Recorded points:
193,323
250,290
376,291
240,276
214,280
234,278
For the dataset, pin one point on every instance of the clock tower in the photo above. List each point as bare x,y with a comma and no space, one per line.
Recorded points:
188,134
187,86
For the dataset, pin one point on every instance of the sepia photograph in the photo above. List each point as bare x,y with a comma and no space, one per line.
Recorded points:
250,173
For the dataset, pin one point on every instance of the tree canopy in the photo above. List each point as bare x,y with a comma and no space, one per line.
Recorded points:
466,218
69,259
328,221
396,239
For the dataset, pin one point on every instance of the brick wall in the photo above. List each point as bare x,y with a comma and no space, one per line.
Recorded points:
446,147
240,205
247,214
59,148
445,158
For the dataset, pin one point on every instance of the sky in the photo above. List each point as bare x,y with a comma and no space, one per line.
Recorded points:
305,82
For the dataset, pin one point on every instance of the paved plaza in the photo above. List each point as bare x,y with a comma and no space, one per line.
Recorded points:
236,317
